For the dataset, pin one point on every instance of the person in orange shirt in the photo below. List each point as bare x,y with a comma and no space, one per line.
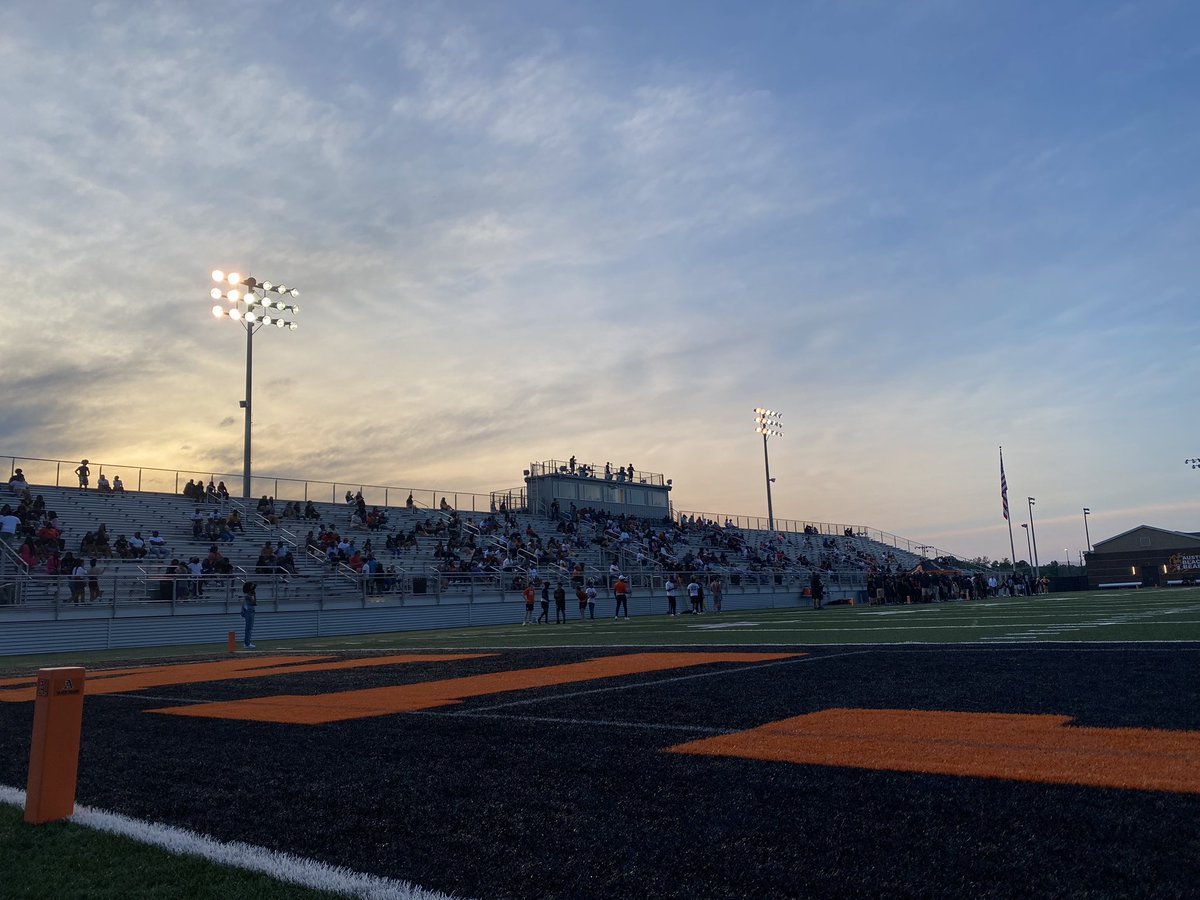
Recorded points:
621,590
530,596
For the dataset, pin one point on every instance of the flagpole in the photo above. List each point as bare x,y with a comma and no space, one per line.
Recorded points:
1004,494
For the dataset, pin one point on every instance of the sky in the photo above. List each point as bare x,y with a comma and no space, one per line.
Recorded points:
535,229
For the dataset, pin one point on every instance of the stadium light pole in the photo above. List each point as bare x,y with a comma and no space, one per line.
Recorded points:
766,423
251,303
1028,546
1087,512
1037,569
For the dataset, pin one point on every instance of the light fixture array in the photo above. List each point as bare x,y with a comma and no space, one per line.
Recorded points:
766,422
253,301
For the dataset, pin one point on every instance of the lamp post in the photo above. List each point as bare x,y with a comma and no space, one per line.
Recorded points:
766,423
251,303
1033,531
1028,546
1086,513
1066,557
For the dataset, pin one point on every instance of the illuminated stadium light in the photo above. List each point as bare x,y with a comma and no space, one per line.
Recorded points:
766,423
248,296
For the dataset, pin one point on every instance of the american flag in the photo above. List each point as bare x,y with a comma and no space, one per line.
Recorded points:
1003,485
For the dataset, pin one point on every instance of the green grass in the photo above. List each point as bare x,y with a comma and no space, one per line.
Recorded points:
60,861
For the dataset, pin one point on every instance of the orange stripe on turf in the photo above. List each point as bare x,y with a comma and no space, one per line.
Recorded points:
1039,748
120,681
384,701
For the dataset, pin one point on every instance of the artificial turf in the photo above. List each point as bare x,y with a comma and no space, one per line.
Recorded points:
568,791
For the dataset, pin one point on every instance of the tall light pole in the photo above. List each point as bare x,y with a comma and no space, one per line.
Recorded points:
766,423
1028,546
1086,513
254,304
1033,531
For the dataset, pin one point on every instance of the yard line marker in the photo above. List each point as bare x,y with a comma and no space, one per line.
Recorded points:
283,867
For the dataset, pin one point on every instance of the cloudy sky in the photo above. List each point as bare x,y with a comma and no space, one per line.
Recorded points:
531,229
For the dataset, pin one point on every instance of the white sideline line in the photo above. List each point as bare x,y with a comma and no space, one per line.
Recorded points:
552,720
659,681
283,867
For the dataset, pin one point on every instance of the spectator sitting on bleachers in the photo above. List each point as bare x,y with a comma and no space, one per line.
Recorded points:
157,545
29,553
266,509
310,511
137,546
102,484
234,521
266,560
118,486
17,483
197,520
193,491
210,492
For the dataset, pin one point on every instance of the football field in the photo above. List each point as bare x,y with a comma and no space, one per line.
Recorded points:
1015,747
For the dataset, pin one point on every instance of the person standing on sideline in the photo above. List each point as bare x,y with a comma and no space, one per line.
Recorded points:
591,600
530,596
83,472
560,604
669,587
581,594
715,588
621,592
817,589
93,576
249,602
545,616
693,590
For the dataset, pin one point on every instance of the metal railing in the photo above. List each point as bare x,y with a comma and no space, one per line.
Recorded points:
594,470
824,529
44,471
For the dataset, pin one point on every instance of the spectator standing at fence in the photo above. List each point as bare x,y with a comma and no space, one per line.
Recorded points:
78,580
693,590
560,604
670,588
591,600
817,588
93,576
716,589
83,472
621,592
530,596
545,616
249,604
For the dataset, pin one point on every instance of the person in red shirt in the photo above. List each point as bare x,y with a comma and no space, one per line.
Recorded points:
621,590
530,596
